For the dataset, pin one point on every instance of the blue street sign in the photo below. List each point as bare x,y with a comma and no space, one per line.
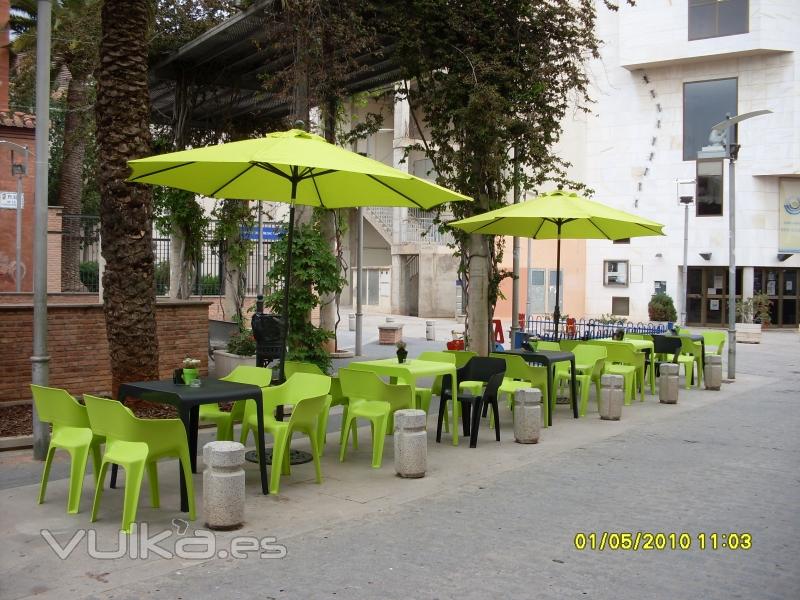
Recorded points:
272,232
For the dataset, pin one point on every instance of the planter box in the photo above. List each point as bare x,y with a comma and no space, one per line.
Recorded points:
389,334
748,333
225,362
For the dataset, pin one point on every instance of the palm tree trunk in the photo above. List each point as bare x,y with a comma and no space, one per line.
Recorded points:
478,300
70,187
126,210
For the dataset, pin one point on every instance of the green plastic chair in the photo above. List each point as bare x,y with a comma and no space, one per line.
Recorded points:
135,445
336,397
691,356
589,363
520,374
372,399
462,356
299,388
715,341
623,359
212,413
543,345
567,345
71,432
424,395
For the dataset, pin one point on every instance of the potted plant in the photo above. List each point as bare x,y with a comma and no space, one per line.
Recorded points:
661,308
752,313
402,353
241,350
191,369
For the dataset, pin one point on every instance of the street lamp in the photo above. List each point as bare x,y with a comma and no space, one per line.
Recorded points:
683,188
721,147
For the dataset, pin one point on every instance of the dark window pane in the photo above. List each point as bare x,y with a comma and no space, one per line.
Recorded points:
693,306
705,103
790,283
620,305
709,188
733,17
789,312
695,277
702,21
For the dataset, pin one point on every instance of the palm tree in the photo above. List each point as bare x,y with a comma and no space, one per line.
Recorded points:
74,53
122,113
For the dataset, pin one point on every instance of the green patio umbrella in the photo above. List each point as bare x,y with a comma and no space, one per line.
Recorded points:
295,167
559,215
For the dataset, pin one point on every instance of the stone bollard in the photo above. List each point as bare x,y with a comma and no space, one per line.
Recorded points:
712,372
223,485
612,397
351,322
430,330
410,443
527,415
668,383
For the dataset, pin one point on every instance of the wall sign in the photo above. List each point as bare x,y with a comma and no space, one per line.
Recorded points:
9,200
789,216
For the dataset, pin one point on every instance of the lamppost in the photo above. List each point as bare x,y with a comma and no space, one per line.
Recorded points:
720,139
686,198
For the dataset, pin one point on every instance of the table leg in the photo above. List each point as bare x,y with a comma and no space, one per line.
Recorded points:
194,423
651,358
572,385
185,414
262,451
550,395
454,395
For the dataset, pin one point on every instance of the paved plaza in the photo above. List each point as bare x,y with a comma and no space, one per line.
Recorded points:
498,521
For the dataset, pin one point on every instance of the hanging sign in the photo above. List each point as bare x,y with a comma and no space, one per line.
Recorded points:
789,216
9,200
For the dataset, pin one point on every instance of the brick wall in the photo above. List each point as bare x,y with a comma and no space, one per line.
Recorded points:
54,250
78,346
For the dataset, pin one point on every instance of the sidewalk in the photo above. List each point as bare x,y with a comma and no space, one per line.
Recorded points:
497,521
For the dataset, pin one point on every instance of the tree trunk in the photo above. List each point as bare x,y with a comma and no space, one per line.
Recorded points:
126,210
70,185
478,301
327,308
180,269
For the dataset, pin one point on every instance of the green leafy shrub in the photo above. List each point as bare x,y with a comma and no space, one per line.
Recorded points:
90,275
209,285
162,278
661,308
754,309
242,343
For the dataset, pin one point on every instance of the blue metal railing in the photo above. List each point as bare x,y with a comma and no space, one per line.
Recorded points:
585,329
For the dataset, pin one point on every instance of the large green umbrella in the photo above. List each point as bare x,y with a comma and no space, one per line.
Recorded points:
560,215
294,167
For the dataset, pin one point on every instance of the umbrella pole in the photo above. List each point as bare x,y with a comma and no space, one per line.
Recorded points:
557,311
286,284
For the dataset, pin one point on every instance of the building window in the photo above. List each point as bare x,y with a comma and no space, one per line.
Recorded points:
615,273
706,103
623,241
709,188
620,306
716,18
660,287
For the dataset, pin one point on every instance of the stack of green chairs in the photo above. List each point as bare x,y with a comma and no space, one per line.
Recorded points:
520,374
308,395
336,398
589,364
135,445
71,432
691,356
623,359
370,398
715,341
212,413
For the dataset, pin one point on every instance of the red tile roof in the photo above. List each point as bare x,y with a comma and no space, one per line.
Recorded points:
17,119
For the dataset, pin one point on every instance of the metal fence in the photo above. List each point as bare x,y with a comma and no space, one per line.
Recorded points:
586,329
84,232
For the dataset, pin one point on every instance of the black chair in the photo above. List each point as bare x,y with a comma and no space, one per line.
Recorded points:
664,344
480,368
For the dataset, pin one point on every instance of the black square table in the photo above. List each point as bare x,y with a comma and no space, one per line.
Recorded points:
187,400
548,358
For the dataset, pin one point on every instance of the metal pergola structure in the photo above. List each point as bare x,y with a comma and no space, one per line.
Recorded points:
228,66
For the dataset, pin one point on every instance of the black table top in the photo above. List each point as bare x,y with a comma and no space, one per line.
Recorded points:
211,391
549,356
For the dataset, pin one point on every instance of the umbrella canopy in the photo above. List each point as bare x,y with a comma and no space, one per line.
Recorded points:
290,166
560,215
294,167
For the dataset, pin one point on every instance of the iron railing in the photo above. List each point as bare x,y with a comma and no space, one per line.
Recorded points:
541,327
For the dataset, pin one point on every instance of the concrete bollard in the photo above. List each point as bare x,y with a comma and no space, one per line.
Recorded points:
223,485
668,383
527,415
712,372
351,322
430,330
410,443
612,397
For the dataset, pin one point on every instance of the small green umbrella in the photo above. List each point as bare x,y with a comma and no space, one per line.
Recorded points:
294,167
560,215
